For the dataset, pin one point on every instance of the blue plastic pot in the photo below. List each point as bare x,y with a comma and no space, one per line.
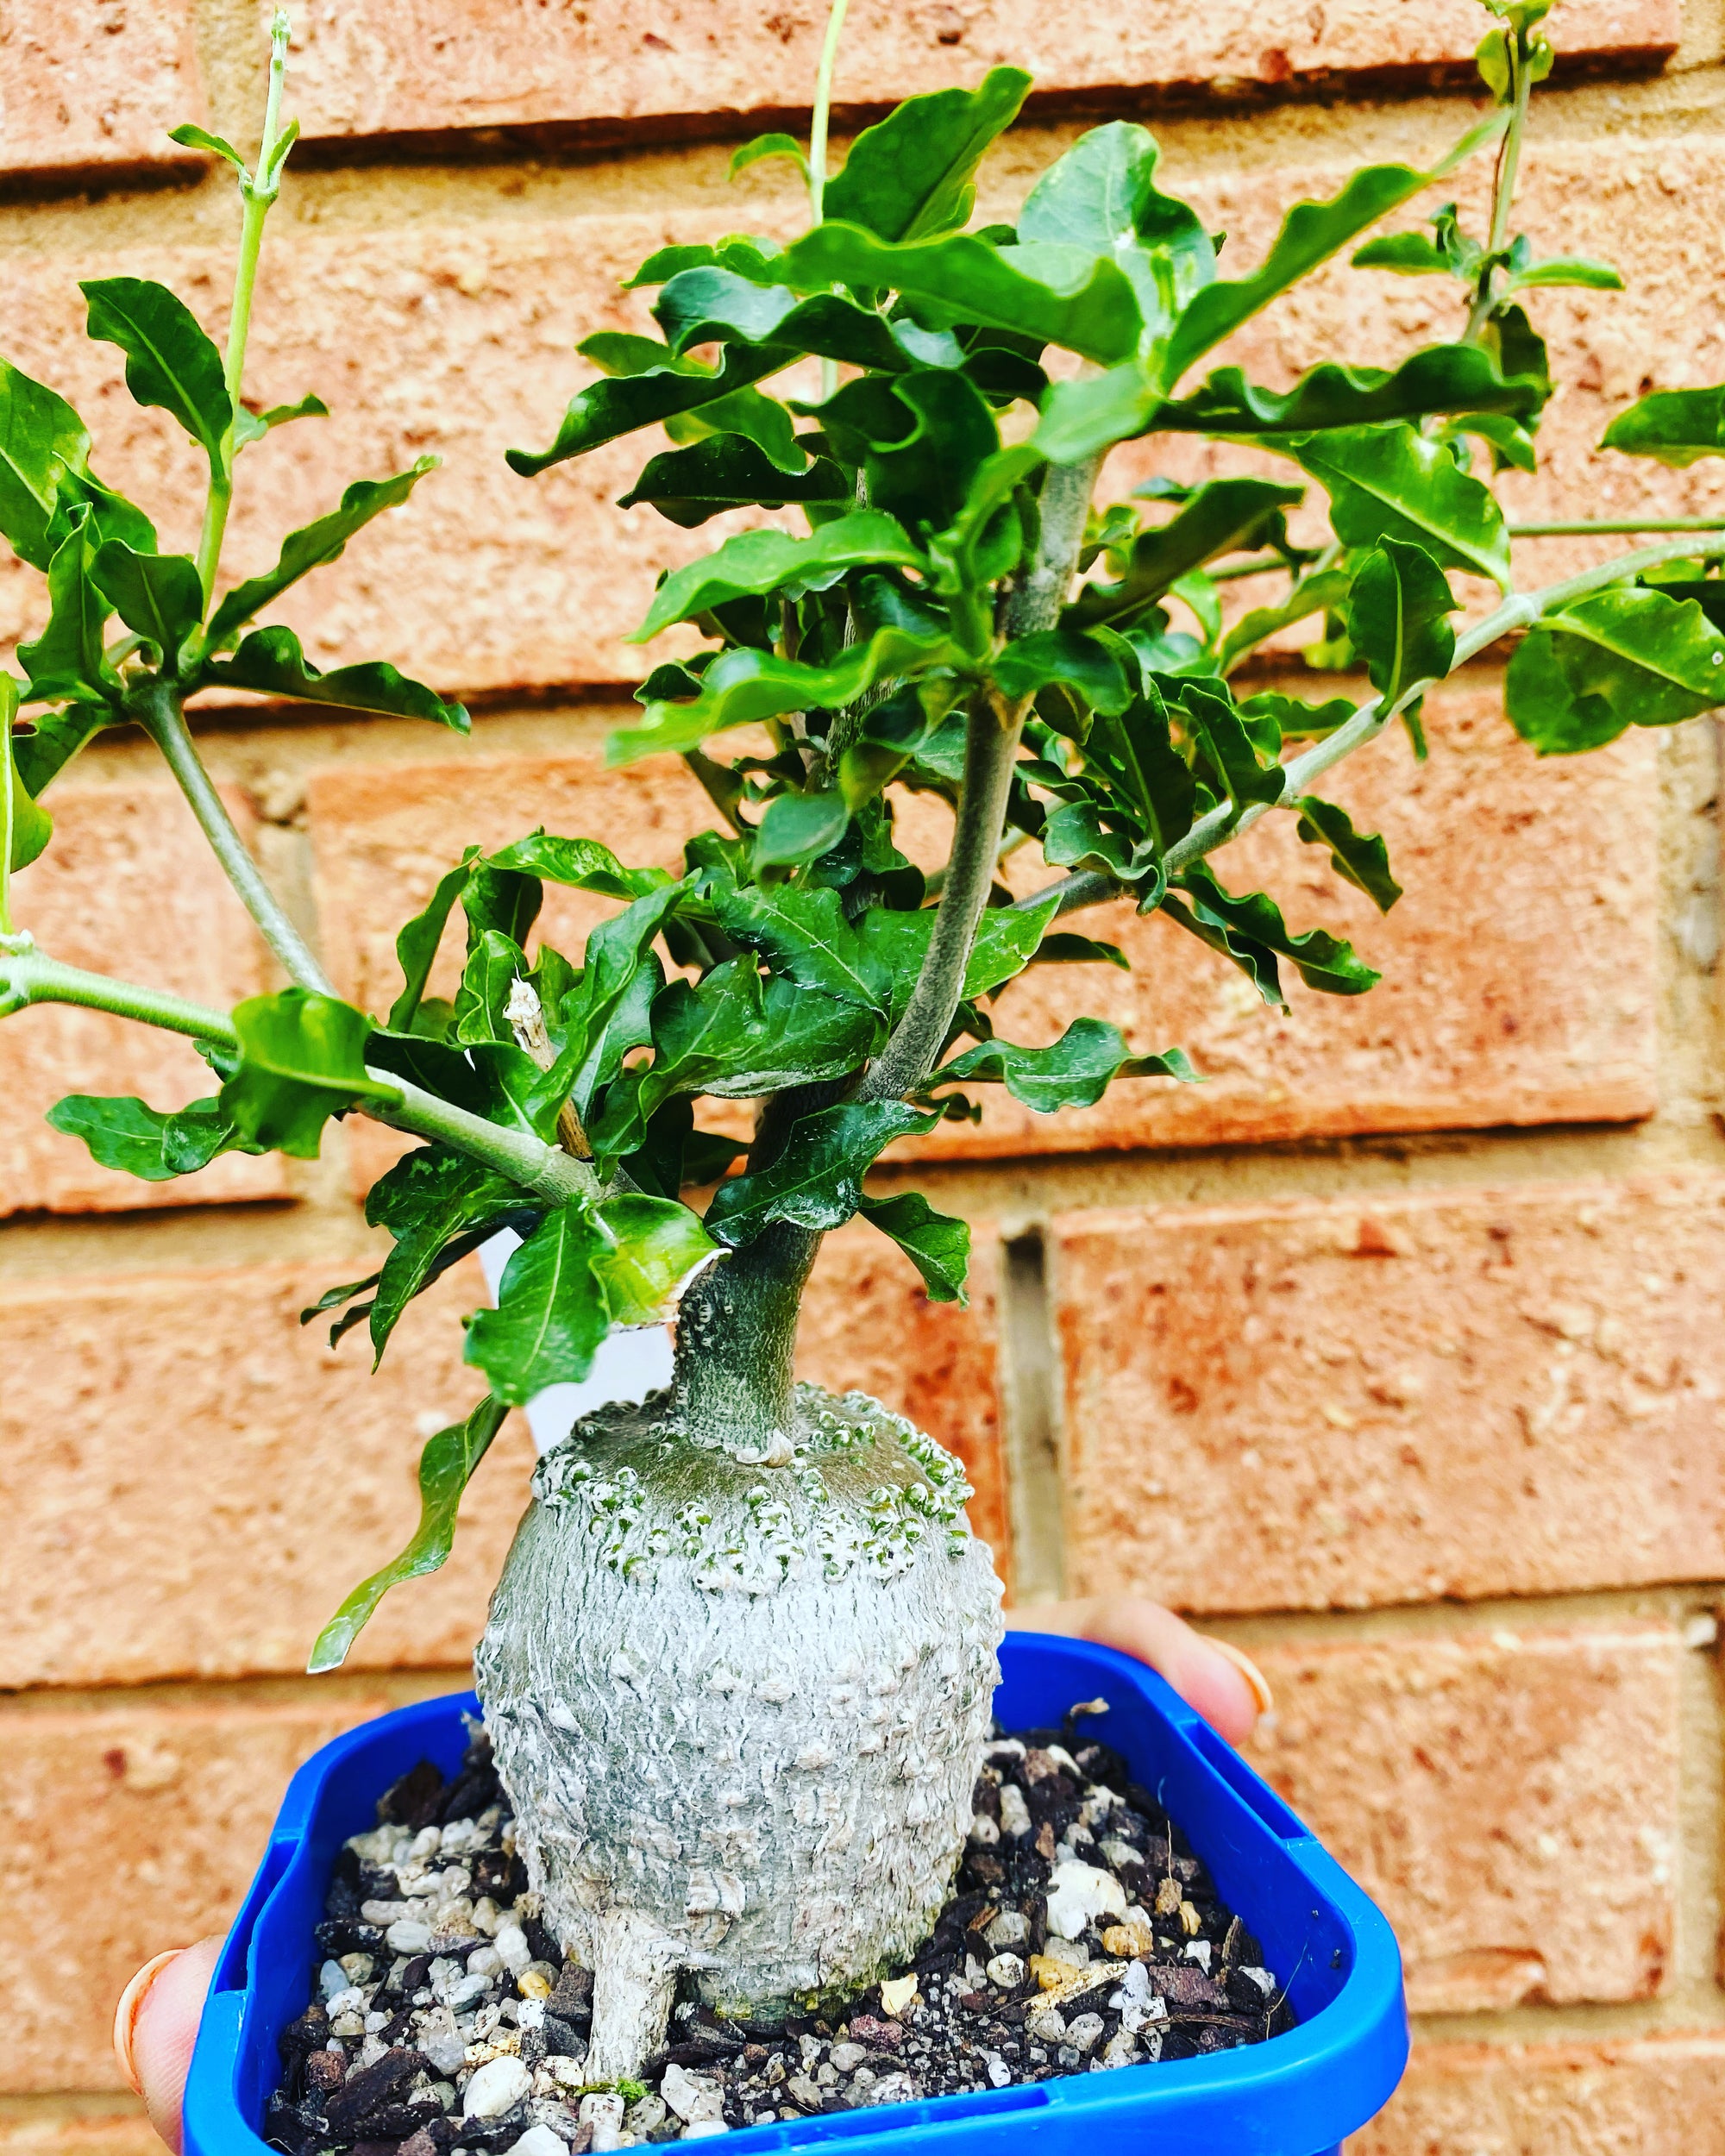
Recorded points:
1296,2095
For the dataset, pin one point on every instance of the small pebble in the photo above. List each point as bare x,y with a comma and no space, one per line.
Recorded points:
408,1937
498,2086
896,1995
1007,1970
539,2140
1010,1928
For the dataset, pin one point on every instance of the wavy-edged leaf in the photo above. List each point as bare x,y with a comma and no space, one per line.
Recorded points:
270,663
1440,378
1316,592
1361,857
1620,658
1081,663
581,864
1228,746
495,963
416,946
428,1198
618,405
715,306
756,561
730,470
42,438
1249,930
1311,233
25,829
161,596
798,828
1391,482
65,661
1397,621
129,1136
1066,949
1101,198
40,756
446,1467
804,936
551,1315
653,1248
322,539
936,1243
1676,426
1295,720
1073,1072
912,174
817,1180
170,362
1005,941
744,686
301,1060
252,426
764,147
1222,516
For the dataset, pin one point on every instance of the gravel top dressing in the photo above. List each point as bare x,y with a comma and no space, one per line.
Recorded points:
1083,1936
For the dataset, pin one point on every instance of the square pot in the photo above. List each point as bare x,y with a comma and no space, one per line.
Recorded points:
1297,2094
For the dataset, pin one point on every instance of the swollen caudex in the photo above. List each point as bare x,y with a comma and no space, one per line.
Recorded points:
740,1709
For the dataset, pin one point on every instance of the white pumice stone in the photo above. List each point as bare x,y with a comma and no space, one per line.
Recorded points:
496,2087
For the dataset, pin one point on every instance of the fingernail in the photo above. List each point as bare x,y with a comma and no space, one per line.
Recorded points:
1248,1669
126,2014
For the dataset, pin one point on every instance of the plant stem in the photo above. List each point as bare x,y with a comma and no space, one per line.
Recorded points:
257,196
1502,185
817,127
1583,527
28,975
8,780
159,712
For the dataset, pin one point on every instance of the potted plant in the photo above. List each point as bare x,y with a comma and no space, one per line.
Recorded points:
935,600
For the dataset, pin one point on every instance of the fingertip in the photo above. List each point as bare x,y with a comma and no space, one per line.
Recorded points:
156,2028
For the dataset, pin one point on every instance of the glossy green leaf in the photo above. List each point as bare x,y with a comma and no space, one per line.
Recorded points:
270,662
582,864
756,561
252,426
1397,621
817,1180
1228,746
744,686
1066,949
40,756
428,1198
170,362
65,661
1361,857
551,1315
1311,233
25,829
1083,417
161,596
911,175
1316,592
1076,837
799,828
42,439
1391,482
1249,930
302,1060
1406,253
729,471
804,936
1221,516
618,406
446,1466
1101,198
1620,658
653,1248
312,545
764,147
936,1245
1005,941
714,306
1073,1072
1567,270
1440,378
750,257
1081,663
494,965
135,1139
196,138
1295,720
1510,443
1676,426
416,946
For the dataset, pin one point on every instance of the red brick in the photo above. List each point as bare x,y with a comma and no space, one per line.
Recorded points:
81,2132
144,1824
1391,1399
127,887
1510,1799
362,67
97,86
1652,2095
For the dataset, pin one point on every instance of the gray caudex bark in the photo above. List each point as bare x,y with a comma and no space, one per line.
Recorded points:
738,1673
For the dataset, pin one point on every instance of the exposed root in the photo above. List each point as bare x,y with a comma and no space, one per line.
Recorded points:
635,1984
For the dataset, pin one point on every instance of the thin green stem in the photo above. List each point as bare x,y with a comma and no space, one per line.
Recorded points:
28,975
257,193
1502,186
9,707
819,120
158,711
1584,527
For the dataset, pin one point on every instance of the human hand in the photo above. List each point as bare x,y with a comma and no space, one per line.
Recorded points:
1225,1685
155,2026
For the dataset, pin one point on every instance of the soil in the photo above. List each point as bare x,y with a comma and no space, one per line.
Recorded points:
1084,1935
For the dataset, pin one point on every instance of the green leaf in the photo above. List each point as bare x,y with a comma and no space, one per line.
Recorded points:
911,175
1075,836
313,544
1392,483
1510,443
416,947
757,562
1074,1072
1232,754
446,1466
1054,294
1311,232
1317,592
1295,720
1440,378
302,1060
494,965
1081,663
1005,941
137,1140
817,1181
170,362
1221,516
581,864
42,439
270,663
654,1248
614,407
1406,253
766,146
799,828
1066,948
25,829
161,596
1361,857
729,471
40,756
936,1245
65,661
425,1200
1249,930
1396,618
1567,270
715,306
606,1012
927,443
196,138
1620,658
551,1315
252,426
804,936
1676,426
1101,198
744,686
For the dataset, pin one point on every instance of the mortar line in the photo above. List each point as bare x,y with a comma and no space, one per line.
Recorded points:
1030,1435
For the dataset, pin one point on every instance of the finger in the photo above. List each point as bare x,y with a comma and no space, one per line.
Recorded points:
1214,1677
156,2026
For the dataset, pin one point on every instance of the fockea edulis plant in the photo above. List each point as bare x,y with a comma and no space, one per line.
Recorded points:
738,1667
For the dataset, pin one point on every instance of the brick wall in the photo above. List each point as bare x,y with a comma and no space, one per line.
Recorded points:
1394,1351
